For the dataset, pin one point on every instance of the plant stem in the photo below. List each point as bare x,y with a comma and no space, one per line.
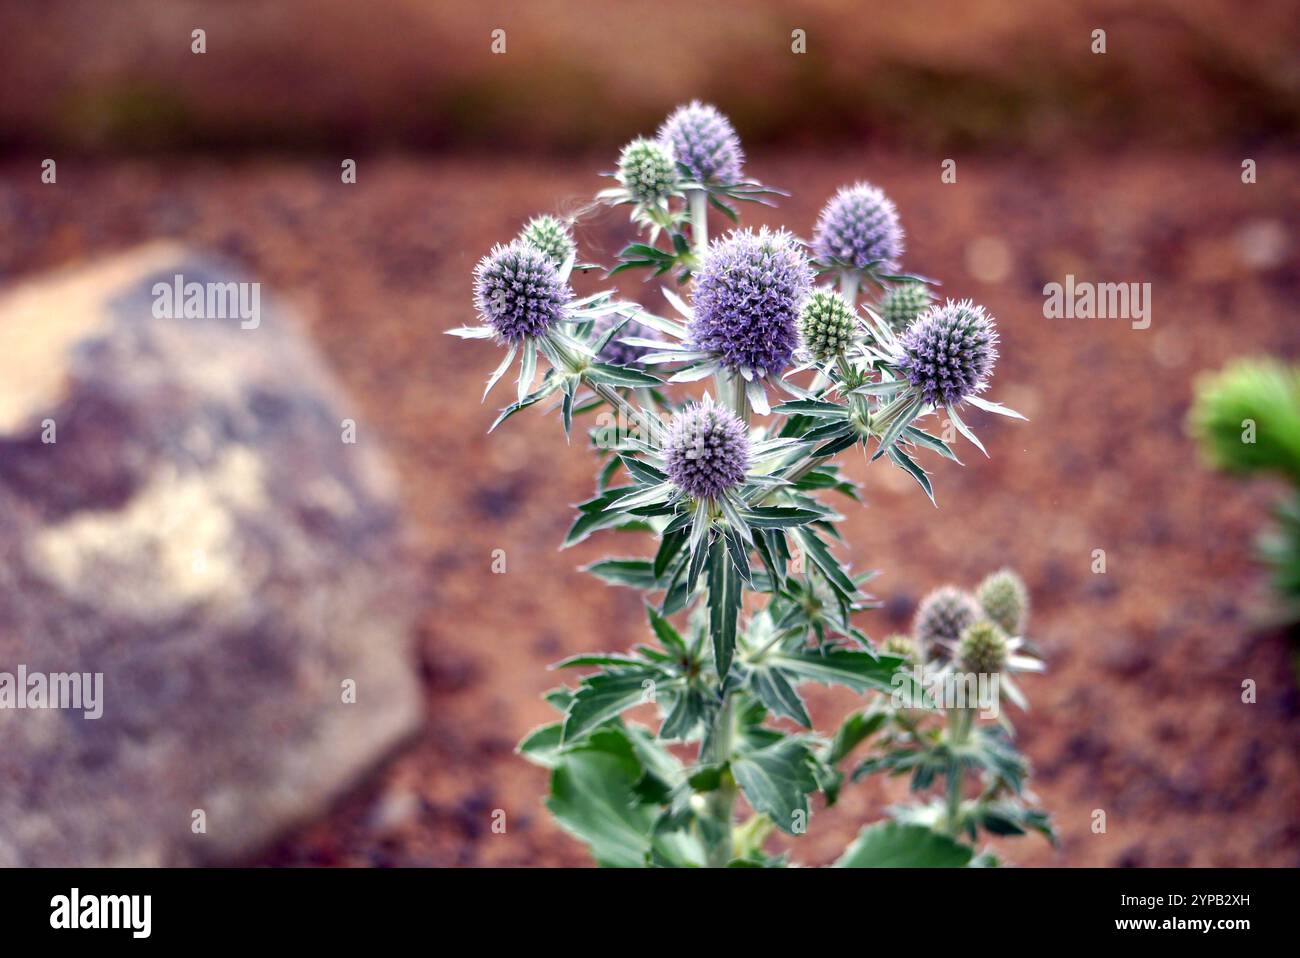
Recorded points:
699,201
722,799
959,723
849,286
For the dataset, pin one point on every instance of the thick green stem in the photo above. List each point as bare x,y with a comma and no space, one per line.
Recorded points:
959,725
721,801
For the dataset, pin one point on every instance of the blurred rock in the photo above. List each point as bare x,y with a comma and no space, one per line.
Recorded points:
199,533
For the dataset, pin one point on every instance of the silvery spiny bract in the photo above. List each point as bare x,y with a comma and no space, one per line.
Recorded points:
903,303
747,298
647,171
747,597
707,450
1005,600
703,142
859,227
518,291
826,324
949,351
551,236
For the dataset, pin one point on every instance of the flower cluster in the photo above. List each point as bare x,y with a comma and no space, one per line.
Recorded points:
747,299
980,632
518,291
706,451
737,496
948,352
859,226
704,143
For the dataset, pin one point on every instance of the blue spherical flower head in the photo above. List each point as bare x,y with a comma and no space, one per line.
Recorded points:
747,298
518,291
704,142
859,226
707,450
948,352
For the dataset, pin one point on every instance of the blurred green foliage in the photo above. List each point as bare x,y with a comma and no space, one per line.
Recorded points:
1247,419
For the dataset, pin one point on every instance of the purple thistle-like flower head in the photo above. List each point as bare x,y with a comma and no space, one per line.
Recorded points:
859,226
941,618
948,352
620,353
707,450
704,142
518,291
747,298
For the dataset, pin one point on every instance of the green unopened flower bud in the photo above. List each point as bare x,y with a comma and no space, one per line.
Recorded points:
904,303
551,236
646,169
1005,600
826,324
900,645
983,648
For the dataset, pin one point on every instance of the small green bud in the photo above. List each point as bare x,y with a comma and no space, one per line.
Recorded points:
900,645
904,303
826,324
983,648
1005,600
551,236
647,170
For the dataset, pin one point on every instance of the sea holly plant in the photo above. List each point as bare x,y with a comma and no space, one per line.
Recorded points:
719,425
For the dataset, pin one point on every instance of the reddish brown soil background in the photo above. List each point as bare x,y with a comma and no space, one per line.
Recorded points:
1141,713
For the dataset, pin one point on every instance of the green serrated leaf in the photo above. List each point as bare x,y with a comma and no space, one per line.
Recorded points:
893,845
603,696
860,671
634,573
542,745
724,606
776,781
774,691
